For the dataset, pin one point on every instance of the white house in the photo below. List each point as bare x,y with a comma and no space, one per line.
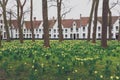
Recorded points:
72,28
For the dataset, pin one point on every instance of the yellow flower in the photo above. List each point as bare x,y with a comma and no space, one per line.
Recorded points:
68,78
101,76
117,77
111,77
76,71
33,66
95,72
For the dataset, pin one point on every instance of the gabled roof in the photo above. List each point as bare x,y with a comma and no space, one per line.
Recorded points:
51,23
36,24
14,23
114,19
67,23
84,21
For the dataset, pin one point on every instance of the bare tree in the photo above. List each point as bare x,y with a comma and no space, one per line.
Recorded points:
3,4
20,7
104,23
60,15
95,21
45,23
0,38
59,3
119,30
31,20
110,22
90,20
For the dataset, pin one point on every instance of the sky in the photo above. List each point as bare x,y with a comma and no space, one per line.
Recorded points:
82,7
78,7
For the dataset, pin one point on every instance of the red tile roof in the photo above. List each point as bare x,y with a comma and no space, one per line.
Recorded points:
67,23
36,24
14,23
51,23
114,19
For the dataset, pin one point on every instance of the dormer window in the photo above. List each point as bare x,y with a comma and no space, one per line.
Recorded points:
74,24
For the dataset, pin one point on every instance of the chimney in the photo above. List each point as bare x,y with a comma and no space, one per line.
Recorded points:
53,19
34,18
80,16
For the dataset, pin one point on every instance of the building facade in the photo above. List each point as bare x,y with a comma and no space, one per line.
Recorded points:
72,28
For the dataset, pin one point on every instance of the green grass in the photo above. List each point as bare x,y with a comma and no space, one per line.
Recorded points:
69,60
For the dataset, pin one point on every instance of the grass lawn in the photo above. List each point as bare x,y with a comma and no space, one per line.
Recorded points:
69,60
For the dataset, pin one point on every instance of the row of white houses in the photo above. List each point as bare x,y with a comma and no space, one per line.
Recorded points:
72,28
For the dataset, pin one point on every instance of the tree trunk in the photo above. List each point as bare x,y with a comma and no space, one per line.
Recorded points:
0,38
19,19
110,23
90,20
31,21
10,24
45,23
119,30
104,23
59,20
95,22
3,5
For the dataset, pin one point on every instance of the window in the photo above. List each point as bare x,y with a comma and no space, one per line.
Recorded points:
30,35
36,30
1,26
54,36
70,35
77,35
24,30
65,30
71,29
23,35
74,24
49,30
49,35
37,35
39,30
83,28
76,29
54,30
1,21
16,30
83,35
16,35
116,28
27,35
99,35
98,28
65,36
